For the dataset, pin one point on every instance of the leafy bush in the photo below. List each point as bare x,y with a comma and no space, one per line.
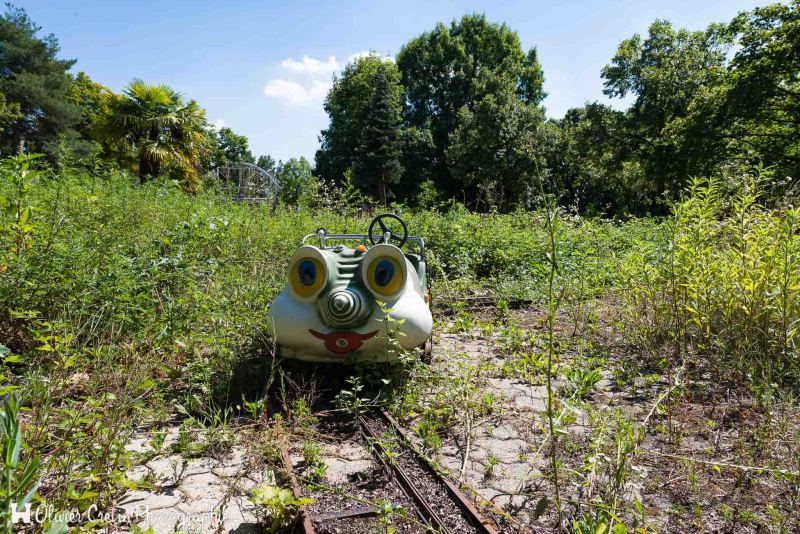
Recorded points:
724,290
19,482
276,507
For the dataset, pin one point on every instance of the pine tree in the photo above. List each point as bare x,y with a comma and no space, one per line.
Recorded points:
377,161
35,83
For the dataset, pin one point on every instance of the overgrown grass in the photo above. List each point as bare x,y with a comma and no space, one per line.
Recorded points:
124,304
722,295
120,300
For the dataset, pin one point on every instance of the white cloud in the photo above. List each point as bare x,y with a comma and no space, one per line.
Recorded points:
219,124
367,53
311,79
309,65
310,89
296,94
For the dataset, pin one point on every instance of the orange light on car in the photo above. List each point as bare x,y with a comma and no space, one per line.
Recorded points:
361,249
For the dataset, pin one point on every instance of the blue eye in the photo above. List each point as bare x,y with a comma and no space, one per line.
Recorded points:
384,272
308,272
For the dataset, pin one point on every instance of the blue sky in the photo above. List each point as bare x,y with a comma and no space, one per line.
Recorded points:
262,68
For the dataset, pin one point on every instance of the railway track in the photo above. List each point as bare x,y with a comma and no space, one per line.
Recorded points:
433,503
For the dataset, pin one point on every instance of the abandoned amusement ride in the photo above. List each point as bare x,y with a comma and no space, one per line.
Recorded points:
350,305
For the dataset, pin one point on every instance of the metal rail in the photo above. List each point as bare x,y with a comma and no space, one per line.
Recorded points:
466,505
407,483
469,512
427,514
304,516
359,237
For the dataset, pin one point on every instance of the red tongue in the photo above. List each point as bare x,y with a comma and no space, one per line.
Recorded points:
342,342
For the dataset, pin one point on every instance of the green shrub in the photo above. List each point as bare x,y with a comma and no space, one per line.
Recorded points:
724,290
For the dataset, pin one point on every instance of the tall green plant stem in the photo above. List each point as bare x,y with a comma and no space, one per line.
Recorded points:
551,311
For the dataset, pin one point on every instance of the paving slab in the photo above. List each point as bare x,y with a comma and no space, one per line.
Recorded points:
239,518
202,486
139,500
503,450
339,471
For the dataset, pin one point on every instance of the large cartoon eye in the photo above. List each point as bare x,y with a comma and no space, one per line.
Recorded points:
307,276
385,276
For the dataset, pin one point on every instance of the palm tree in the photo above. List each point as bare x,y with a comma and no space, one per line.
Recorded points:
161,133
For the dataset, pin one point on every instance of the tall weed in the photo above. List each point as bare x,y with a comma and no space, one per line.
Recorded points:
723,296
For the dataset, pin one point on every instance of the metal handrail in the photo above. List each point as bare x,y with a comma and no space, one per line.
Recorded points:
363,237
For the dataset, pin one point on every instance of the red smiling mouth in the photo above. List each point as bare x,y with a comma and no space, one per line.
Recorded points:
342,342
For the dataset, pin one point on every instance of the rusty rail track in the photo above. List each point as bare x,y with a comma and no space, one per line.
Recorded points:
439,503
304,517
456,514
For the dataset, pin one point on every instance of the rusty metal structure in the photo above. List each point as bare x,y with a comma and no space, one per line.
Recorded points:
439,504
250,182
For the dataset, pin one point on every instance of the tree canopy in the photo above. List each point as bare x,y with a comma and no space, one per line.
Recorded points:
457,116
226,146
34,85
162,132
348,105
149,128
452,76
296,180
461,107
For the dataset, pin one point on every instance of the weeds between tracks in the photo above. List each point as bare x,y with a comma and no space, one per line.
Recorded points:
124,307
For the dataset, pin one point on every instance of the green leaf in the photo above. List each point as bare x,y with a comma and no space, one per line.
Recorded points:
12,453
28,496
27,477
24,215
57,527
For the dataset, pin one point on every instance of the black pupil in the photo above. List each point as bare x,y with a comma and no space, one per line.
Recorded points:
382,277
307,272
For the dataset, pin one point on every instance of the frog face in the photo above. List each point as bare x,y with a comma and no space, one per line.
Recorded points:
331,308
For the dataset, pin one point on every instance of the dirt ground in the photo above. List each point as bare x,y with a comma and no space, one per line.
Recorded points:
700,458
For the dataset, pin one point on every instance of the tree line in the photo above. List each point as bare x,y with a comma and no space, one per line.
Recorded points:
456,117
150,129
459,116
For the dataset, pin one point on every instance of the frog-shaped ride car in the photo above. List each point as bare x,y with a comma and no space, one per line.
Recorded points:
335,306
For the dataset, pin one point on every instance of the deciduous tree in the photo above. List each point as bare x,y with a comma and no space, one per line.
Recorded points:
756,113
448,74
297,182
268,163
664,72
226,146
496,151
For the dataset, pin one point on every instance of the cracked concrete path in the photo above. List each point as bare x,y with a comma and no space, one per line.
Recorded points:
204,495
192,496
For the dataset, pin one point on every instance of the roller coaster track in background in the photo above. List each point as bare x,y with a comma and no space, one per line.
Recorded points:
252,183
